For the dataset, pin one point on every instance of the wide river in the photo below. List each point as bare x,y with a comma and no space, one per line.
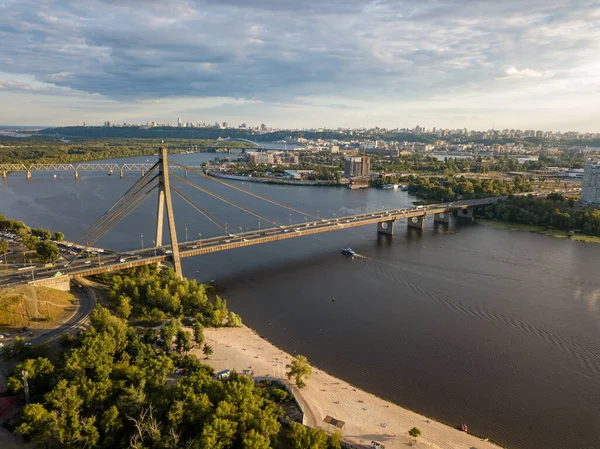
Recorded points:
499,330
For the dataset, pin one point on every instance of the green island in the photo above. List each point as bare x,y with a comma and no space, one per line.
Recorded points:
113,386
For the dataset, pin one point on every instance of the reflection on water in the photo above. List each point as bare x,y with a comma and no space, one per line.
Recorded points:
463,323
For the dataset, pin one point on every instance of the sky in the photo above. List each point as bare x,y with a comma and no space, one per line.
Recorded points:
528,64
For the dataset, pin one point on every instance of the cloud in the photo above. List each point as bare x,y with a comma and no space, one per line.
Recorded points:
277,51
512,72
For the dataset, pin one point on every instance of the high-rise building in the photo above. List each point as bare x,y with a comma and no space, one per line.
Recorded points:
179,122
356,166
590,192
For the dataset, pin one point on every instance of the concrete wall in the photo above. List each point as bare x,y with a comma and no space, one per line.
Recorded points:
62,283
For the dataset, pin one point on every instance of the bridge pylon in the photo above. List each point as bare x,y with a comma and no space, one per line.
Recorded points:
164,196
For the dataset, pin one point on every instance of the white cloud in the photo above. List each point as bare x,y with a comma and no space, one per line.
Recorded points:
512,72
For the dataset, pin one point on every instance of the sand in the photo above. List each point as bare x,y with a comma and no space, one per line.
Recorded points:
367,418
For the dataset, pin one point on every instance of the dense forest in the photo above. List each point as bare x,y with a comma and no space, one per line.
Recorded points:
450,189
114,386
553,211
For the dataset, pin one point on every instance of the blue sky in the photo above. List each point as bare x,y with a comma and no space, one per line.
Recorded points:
302,63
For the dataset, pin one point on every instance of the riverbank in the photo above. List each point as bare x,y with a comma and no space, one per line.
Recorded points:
558,233
367,418
292,182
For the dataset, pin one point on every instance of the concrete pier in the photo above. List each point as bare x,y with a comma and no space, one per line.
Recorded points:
386,227
121,173
466,214
4,174
143,172
416,222
442,217
76,174
27,174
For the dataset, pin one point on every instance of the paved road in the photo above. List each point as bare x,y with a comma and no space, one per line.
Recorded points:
86,299
117,261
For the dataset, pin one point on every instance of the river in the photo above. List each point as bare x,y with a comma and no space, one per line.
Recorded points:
496,329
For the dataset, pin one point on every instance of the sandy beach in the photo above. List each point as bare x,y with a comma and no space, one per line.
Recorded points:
367,418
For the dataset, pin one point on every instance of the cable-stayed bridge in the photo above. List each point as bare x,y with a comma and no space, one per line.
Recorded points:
158,176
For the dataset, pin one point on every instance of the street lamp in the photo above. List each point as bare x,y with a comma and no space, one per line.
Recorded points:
98,258
200,241
186,235
241,232
305,223
259,224
290,218
142,239
154,243
226,229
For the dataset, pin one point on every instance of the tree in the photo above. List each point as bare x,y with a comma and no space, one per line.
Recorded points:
234,320
58,236
3,246
183,341
124,306
47,251
198,333
414,432
30,241
41,233
207,350
300,370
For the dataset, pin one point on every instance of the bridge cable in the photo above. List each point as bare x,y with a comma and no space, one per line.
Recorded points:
204,212
239,206
220,181
115,220
133,190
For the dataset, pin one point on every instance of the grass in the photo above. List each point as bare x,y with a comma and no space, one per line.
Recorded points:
558,233
30,306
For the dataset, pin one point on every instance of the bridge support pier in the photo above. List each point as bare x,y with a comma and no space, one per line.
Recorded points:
76,174
185,173
442,217
142,172
386,227
28,174
121,173
466,214
4,174
416,222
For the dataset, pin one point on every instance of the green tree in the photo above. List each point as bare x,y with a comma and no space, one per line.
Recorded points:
124,307
198,333
414,432
47,251
30,242
41,233
182,342
207,350
234,320
301,437
58,236
3,246
300,370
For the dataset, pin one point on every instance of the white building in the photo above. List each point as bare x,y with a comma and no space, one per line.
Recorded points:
590,192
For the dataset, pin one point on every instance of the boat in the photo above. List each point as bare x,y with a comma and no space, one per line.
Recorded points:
348,252
387,186
54,176
110,173
464,428
404,188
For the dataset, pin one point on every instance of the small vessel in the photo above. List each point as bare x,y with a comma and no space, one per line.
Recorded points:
54,176
404,188
387,186
110,173
464,428
348,252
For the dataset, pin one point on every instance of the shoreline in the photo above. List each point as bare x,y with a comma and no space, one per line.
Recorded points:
542,230
366,416
292,182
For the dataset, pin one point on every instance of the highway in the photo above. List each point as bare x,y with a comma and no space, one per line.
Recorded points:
117,261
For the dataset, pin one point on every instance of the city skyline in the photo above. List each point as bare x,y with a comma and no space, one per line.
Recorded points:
333,64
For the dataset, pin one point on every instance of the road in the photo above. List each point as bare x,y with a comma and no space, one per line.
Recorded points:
117,261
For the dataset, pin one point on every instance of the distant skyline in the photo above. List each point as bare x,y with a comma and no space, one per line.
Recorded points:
309,63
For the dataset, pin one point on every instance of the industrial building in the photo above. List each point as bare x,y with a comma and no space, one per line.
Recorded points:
356,166
590,192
